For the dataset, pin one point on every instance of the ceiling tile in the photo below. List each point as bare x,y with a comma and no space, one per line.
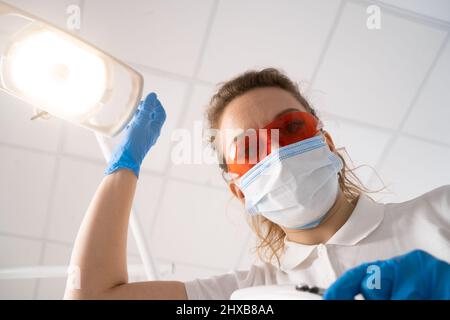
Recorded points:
17,252
161,34
199,225
131,244
75,187
200,164
431,114
20,289
54,11
16,128
439,9
373,75
82,142
254,34
133,276
53,288
201,172
56,254
413,168
171,93
198,105
363,145
25,190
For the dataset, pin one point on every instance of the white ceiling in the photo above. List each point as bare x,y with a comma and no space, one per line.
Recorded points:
435,9
382,94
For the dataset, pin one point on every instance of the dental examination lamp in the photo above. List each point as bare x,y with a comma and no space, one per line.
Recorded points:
61,75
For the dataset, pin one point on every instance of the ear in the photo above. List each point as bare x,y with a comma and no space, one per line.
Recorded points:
329,140
236,191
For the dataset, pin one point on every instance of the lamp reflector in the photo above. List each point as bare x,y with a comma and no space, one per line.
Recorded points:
59,73
55,73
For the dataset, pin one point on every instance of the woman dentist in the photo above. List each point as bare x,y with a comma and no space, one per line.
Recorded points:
314,220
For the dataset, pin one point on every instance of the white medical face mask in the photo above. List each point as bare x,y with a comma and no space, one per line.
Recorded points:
294,186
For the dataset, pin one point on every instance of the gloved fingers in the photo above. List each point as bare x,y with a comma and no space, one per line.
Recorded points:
418,257
149,103
378,282
159,114
151,109
152,106
348,285
141,134
413,276
410,276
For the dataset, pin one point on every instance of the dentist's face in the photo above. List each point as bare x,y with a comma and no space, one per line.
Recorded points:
254,110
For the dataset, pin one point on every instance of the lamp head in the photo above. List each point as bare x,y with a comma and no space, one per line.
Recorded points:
66,77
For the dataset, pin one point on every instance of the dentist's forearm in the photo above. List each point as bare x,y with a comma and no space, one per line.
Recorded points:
100,246
99,255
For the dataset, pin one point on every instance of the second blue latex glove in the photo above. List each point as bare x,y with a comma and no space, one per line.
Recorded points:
140,135
416,275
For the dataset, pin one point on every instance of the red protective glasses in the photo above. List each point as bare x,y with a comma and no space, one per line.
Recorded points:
254,145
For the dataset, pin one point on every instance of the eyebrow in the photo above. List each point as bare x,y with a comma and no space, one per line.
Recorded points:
284,112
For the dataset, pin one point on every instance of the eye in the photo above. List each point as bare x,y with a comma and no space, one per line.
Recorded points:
295,126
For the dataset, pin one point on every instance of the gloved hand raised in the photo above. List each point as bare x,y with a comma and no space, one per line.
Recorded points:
416,275
141,134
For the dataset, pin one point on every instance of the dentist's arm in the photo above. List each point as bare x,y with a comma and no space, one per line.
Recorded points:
100,248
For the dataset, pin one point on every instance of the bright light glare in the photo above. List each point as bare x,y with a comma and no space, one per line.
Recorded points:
56,74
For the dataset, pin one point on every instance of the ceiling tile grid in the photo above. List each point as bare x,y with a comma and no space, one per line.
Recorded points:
430,116
438,9
414,167
162,34
16,128
53,288
25,190
18,252
54,11
382,96
255,34
199,225
192,158
373,75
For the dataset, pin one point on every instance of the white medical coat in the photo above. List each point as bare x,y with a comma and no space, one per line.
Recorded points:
374,231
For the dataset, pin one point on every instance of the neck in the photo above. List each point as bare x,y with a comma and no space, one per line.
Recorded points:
334,220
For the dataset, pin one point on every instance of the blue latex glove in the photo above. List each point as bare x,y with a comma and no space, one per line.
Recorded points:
416,275
141,134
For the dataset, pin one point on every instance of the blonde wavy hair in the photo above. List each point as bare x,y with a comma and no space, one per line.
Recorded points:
270,236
